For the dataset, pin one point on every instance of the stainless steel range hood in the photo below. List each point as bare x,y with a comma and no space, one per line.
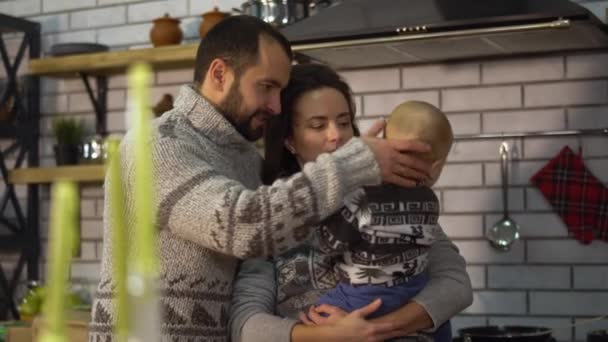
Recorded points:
368,33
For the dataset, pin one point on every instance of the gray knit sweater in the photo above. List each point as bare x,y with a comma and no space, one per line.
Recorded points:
213,210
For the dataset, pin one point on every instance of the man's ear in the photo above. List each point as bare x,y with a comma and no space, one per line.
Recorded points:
219,75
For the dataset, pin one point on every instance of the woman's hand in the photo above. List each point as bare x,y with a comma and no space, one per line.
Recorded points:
352,327
323,314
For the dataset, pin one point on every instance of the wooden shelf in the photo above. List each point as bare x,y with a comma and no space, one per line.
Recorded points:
77,173
114,62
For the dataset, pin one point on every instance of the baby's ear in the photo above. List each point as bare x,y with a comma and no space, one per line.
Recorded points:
436,169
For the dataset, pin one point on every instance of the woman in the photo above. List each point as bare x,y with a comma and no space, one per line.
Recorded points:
318,117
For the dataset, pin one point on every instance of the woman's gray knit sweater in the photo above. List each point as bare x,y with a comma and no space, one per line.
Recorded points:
213,210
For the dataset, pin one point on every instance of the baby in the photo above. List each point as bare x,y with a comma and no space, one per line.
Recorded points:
382,235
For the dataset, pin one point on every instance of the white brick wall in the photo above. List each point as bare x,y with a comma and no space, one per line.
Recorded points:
545,279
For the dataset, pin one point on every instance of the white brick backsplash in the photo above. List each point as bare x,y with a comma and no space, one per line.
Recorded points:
550,147
568,303
20,8
498,302
91,191
87,208
54,86
125,35
477,252
478,276
565,93
64,5
462,226
181,76
535,148
588,117
85,272
582,66
505,97
107,16
80,102
480,200
372,80
52,23
566,252
524,121
113,2
365,123
67,37
53,104
460,175
584,326
87,251
599,168
190,28
149,10
462,124
519,172
561,331
383,104
522,70
117,81
536,201
484,150
528,277
198,7
534,225
595,146
45,146
591,277
116,122
99,204
440,75
91,229
465,321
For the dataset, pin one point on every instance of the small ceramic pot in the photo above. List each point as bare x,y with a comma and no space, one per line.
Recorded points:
210,19
166,31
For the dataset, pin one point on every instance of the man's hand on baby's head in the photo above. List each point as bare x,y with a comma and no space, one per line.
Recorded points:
397,160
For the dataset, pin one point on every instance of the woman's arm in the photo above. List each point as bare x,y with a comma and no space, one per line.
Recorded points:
253,305
252,319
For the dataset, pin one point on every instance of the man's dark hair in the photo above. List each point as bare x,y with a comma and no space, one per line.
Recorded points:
235,40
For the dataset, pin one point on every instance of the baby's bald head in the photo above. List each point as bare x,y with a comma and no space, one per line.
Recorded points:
422,121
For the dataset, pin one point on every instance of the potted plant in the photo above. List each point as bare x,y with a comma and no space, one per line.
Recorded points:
69,133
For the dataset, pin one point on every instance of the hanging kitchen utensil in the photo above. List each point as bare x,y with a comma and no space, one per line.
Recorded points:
506,231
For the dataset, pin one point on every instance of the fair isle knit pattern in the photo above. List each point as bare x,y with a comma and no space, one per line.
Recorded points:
382,234
212,210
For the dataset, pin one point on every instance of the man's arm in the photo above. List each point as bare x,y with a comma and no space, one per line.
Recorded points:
201,205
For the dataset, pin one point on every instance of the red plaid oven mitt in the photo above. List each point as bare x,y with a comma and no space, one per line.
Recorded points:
577,196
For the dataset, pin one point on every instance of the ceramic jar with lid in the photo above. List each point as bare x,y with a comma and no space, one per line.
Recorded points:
211,19
166,31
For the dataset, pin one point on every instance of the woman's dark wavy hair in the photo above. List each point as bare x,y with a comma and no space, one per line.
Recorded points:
278,161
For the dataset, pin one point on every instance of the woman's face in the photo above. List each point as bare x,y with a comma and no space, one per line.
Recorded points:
321,124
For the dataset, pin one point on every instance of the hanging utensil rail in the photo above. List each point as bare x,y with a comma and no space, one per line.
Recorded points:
580,132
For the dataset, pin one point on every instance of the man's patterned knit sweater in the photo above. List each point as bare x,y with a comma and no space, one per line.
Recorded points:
213,211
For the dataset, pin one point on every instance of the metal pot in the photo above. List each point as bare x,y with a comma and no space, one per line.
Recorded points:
93,150
505,334
277,12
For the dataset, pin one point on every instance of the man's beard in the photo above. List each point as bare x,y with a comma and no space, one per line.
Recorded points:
242,123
